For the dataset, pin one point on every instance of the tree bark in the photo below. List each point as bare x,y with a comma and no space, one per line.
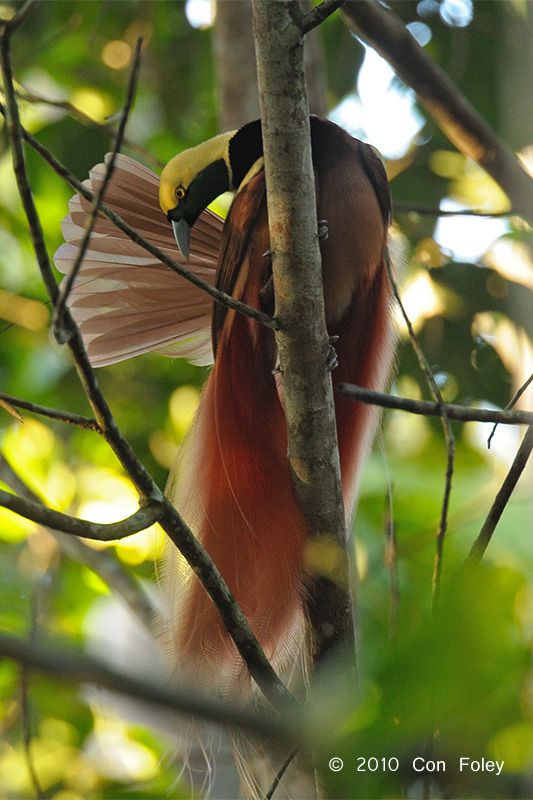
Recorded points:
303,339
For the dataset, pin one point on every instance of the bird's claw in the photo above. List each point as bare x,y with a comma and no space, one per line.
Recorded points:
332,359
322,230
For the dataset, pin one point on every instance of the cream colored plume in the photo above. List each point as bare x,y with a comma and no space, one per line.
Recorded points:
124,300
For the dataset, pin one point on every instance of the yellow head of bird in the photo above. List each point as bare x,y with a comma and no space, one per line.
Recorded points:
192,180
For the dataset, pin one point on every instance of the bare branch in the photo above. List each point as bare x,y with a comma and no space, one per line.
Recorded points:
280,773
19,163
27,732
52,413
6,405
303,340
427,409
99,531
465,128
503,496
75,667
12,24
318,14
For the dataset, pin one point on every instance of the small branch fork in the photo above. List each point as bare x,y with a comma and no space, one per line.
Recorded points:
154,506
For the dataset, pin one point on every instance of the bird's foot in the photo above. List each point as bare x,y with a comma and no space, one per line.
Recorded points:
332,359
322,230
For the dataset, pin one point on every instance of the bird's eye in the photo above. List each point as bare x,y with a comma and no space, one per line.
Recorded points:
179,191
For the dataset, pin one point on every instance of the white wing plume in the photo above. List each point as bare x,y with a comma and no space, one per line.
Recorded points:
124,300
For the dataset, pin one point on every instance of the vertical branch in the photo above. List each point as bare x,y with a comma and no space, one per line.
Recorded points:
303,340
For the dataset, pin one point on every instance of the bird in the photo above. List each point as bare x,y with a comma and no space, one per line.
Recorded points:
234,485
231,481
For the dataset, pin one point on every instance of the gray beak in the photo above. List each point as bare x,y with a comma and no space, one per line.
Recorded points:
182,233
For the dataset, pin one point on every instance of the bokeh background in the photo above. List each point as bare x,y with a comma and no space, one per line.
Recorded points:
467,288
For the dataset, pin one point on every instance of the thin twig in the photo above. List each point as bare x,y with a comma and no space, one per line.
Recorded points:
443,522
76,667
27,734
448,436
6,405
52,413
503,496
280,773
511,404
318,14
20,16
61,331
428,409
391,552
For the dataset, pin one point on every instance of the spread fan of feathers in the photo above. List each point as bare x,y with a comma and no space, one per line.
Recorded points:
231,481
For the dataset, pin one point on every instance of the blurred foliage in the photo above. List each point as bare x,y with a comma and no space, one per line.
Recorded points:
464,672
